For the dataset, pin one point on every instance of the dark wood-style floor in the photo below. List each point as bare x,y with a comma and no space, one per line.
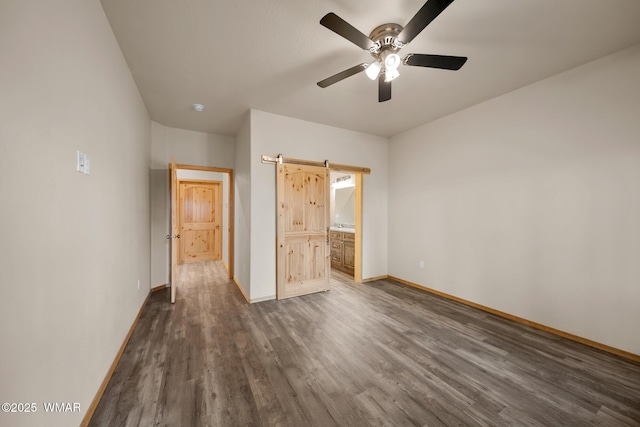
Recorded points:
374,354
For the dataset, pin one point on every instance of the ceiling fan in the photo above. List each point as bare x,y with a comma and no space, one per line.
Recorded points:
384,43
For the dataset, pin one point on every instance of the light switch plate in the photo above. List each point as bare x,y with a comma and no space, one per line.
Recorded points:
80,161
83,163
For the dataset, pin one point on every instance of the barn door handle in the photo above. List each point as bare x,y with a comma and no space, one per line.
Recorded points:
173,236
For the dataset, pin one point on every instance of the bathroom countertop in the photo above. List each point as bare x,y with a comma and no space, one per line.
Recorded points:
343,229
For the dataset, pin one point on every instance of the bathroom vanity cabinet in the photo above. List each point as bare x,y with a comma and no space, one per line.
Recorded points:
343,251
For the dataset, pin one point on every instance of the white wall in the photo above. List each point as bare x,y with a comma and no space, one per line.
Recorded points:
273,134
530,203
224,179
73,246
242,206
188,148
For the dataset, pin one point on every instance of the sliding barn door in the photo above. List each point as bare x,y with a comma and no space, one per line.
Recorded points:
303,230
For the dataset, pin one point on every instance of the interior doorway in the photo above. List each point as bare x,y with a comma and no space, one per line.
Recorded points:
202,173
356,181
343,221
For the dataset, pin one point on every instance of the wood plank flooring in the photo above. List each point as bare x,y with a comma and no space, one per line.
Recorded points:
376,354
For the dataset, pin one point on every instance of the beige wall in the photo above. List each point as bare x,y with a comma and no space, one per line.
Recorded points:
242,207
529,203
188,148
73,246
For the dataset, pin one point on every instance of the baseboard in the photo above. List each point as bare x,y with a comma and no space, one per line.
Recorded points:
246,297
159,288
224,264
267,298
585,341
235,280
107,378
373,279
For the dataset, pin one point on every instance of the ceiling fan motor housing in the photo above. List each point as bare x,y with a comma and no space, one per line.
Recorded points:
386,45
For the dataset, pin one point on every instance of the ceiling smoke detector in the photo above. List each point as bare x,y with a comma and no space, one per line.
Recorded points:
198,107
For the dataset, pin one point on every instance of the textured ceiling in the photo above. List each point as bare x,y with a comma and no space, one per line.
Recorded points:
268,55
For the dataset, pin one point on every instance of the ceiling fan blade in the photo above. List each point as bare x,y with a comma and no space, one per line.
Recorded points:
346,30
426,14
384,89
342,75
435,61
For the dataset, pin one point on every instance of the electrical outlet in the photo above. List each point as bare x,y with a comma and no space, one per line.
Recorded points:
138,283
421,264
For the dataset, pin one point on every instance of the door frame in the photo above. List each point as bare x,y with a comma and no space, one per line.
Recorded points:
173,226
357,269
230,206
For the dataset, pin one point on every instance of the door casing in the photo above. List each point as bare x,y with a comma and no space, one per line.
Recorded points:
173,192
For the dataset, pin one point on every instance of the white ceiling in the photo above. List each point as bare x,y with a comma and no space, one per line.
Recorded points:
268,55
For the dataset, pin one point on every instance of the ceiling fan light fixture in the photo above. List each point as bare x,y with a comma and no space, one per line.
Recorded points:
391,74
385,42
392,61
373,70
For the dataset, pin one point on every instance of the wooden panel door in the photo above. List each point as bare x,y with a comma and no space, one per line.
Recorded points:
173,197
200,221
303,265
